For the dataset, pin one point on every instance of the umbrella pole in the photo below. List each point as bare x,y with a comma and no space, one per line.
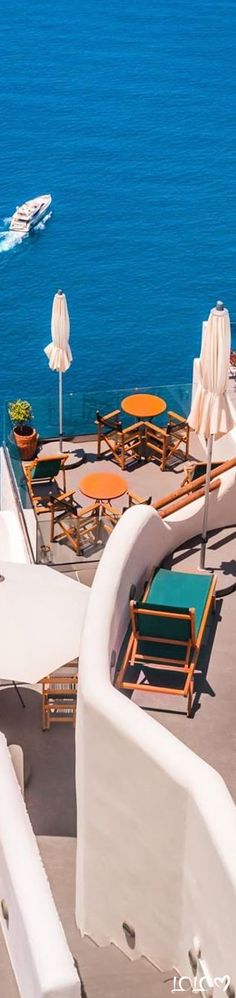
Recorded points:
205,515
18,693
60,411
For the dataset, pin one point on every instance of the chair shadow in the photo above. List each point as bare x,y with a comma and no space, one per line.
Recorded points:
201,684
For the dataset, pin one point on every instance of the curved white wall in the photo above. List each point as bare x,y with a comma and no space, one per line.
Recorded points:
37,946
156,825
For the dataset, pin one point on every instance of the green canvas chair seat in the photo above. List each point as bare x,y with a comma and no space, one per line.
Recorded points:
42,480
167,631
180,589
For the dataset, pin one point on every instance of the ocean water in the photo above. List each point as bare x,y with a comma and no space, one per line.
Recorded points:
126,113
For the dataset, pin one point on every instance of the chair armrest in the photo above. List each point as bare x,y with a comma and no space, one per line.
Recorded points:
134,497
59,499
109,415
133,427
87,509
109,509
138,499
155,429
176,417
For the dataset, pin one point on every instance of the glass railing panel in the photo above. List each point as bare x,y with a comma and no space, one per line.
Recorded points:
79,409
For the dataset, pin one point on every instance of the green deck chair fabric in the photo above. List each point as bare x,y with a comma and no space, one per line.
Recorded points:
180,589
46,470
200,469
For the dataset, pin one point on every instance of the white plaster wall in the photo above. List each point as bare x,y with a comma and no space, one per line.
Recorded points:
156,825
12,546
37,945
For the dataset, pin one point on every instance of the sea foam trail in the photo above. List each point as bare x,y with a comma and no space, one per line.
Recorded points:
9,239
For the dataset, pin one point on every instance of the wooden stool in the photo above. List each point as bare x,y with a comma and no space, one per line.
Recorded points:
59,695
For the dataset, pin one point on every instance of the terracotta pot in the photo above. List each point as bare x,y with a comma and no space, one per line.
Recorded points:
27,444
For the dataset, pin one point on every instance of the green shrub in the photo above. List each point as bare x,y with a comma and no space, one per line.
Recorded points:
20,412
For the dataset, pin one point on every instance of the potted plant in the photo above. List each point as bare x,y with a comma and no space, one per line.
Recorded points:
26,437
233,358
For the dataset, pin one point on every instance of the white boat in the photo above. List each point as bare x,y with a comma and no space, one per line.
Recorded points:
30,213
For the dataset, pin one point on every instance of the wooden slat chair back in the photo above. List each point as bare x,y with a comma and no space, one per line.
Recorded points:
166,442
125,445
44,472
79,525
167,635
59,695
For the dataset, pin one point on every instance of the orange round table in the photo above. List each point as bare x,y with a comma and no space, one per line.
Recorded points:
143,406
103,486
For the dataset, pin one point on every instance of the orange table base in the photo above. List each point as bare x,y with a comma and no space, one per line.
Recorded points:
143,406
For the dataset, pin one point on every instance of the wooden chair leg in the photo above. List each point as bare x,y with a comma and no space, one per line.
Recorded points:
52,525
124,665
187,444
190,698
164,455
44,714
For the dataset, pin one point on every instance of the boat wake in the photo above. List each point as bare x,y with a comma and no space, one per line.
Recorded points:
10,239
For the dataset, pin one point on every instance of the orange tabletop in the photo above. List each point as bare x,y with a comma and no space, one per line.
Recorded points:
143,406
102,485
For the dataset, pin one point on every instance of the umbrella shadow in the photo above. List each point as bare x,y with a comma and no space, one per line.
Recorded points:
221,542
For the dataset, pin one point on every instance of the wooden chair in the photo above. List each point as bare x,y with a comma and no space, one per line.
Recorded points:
167,630
134,500
78,524
59,695
111,516
42,475
195,470
168,441
124,444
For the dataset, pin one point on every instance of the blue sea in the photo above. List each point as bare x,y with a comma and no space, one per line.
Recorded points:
126,114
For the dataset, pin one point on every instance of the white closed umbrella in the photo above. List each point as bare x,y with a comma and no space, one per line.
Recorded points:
58,351
41,620
212,413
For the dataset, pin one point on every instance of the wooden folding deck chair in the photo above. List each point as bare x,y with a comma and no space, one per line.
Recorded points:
125,444
167,441
167,629
195,471
42,480
76,523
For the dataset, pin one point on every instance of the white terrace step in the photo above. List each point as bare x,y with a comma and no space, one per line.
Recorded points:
105,972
